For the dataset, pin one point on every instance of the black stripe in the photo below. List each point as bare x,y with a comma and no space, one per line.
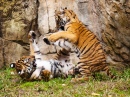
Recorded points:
55,64
85,33
71,12
86,39
80,36
67,28
38,58
54,69
88,55
37,52
74,16
63,53
54,72
79,27
87,49
70,24
59,43
85,45
79,62
92,54
77,50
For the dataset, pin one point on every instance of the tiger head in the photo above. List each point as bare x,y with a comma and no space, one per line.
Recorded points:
24,66
64,16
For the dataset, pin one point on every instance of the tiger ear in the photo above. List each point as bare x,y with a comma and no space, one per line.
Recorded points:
12,65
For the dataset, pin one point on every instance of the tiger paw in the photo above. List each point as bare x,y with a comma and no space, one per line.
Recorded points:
79,80
73,80
46,41
53,37
46,75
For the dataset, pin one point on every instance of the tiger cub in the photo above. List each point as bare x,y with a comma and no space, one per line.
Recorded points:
29,68
33,67
90,52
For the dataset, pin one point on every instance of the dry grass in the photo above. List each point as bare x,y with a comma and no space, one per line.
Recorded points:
13,86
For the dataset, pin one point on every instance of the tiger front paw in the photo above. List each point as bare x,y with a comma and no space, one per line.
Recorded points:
53,37
46,75
46,41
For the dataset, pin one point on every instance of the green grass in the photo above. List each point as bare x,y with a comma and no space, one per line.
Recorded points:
13,86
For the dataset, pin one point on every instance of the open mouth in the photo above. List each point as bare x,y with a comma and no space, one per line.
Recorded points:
62,28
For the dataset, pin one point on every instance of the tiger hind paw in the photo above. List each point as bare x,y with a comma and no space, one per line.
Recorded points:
75,80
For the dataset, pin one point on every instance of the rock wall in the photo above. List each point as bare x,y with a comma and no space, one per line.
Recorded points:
108,19
17,18
116,29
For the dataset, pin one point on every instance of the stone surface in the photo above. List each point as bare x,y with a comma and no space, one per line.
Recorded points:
116,29
108,19
16,19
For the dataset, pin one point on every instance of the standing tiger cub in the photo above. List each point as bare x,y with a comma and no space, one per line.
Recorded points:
90,53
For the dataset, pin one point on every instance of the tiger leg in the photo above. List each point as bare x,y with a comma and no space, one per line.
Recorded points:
45,75
84,75
108,72
62,35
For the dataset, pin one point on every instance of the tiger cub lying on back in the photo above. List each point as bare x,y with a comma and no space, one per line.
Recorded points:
90,53
35,68
62,58
29,68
